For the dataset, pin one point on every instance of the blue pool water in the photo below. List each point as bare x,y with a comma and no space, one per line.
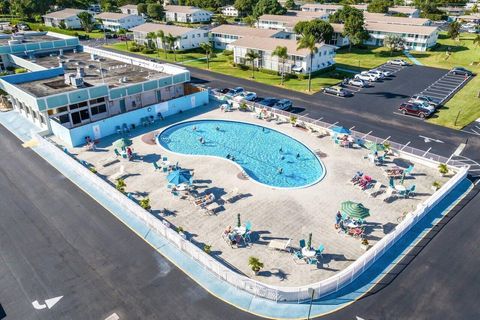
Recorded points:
266,155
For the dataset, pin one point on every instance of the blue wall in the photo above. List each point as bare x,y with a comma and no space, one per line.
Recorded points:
33,75
76,136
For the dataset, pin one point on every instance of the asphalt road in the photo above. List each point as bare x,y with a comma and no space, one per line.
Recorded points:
373,109
441,282
57,241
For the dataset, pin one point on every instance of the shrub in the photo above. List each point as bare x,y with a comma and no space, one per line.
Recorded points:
268,71
207,248
243,67
227,53
443,168
134,48
145,203
147,50
20,70
92,170
255,264
120,186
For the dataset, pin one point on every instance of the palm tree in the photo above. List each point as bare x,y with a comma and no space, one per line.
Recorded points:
151,40
100,22
208,48
123,32
161,35
308,42
476,41
171,44
252,56
282,54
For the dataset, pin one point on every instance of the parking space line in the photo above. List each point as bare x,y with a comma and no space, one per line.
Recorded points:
439,90
407,115
443,85
433,95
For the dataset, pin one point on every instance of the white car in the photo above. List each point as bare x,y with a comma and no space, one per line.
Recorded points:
377,73
398,62
425,105
386,73
357,83
249,96
366,77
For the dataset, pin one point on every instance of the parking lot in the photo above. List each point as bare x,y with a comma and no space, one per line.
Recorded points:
445,87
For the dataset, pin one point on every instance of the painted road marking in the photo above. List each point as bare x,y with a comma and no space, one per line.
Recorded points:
459,149
49,303
428,139
113,316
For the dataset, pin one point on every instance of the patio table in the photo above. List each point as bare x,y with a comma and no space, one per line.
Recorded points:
400,187
240,230
308,253
182,187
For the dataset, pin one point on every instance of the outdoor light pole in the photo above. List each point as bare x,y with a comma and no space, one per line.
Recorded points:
311,292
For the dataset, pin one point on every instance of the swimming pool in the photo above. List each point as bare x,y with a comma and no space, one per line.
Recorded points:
266,155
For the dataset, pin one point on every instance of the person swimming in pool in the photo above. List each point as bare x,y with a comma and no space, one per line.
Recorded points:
228,156
280,170
282,158
217,128
202,140
298,155
280,150
194,128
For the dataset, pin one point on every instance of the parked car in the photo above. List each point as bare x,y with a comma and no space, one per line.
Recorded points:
258,99
461,71
423,99
414,109
386,73
357,83
383,73
269,102
23,26
338,91
249,96
234,92
398,62
377,73
366,77
283,104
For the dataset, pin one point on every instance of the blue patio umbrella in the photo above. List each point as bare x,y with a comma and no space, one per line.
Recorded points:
341,130
179,176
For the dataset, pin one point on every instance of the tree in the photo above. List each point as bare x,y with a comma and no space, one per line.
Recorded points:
308,42
267,7
340,16
454,30
476,41
244,7
163,40
354,30
142,8
151,40
290,5
393,42
155,11
250,21
107,5
282,54
86,21
251,56
379,6
321,30
100,22
208,48
220,19
123,32
475,8
170,39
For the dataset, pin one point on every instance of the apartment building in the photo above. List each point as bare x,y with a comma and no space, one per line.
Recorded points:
187,14
116,21
188,38
67,17
225,34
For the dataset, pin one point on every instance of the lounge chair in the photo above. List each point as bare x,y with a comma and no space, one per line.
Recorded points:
282,245
118,129
165,159
411,191
297,255
116,152
156,166
408,171
313,261
125,128
164,169
230,196
248,226
389,194
302,243
320,250
375,191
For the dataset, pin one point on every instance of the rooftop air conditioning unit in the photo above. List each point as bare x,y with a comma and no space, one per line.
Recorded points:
93,56
68,77
77,81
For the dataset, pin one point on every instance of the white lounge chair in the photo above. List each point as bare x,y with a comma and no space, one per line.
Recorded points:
229,196
389,194
375,191
282,245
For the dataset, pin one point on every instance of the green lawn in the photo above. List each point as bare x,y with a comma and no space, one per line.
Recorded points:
465,104
41,26
368,58
180,56
221,64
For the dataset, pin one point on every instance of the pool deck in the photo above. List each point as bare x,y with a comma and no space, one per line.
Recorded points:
274,213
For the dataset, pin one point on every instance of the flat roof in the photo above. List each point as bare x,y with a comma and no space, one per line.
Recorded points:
113,72
26,37
63,14
269,44
292,17
400,28
242,31
382,18
403,9
166,28
112,15
129,6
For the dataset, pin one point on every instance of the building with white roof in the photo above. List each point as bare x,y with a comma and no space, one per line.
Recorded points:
230,11
187,14
383,18
288,21
129,9
410,12
225,34
188,38
69,17
298,60
116,21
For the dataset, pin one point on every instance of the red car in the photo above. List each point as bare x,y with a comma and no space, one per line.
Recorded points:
414,110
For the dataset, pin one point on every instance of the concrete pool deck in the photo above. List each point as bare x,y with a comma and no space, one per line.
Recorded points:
274,213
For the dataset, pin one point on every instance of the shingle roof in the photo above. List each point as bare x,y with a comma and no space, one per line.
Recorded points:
400,28
129,6
63,14
112,15
244,31
291,19
402,9
183,9
167,29
269,44
382,18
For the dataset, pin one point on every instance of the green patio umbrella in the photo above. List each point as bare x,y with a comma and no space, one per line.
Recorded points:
355,210
122,143
375,147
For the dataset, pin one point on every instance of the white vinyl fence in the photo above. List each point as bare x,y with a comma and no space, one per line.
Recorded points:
279,294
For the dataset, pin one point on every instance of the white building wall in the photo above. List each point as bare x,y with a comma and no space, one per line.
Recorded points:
230,11
125,23
72,22
187,41
196,17
412,41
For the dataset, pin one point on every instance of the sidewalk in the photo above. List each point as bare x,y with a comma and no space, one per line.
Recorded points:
217,287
